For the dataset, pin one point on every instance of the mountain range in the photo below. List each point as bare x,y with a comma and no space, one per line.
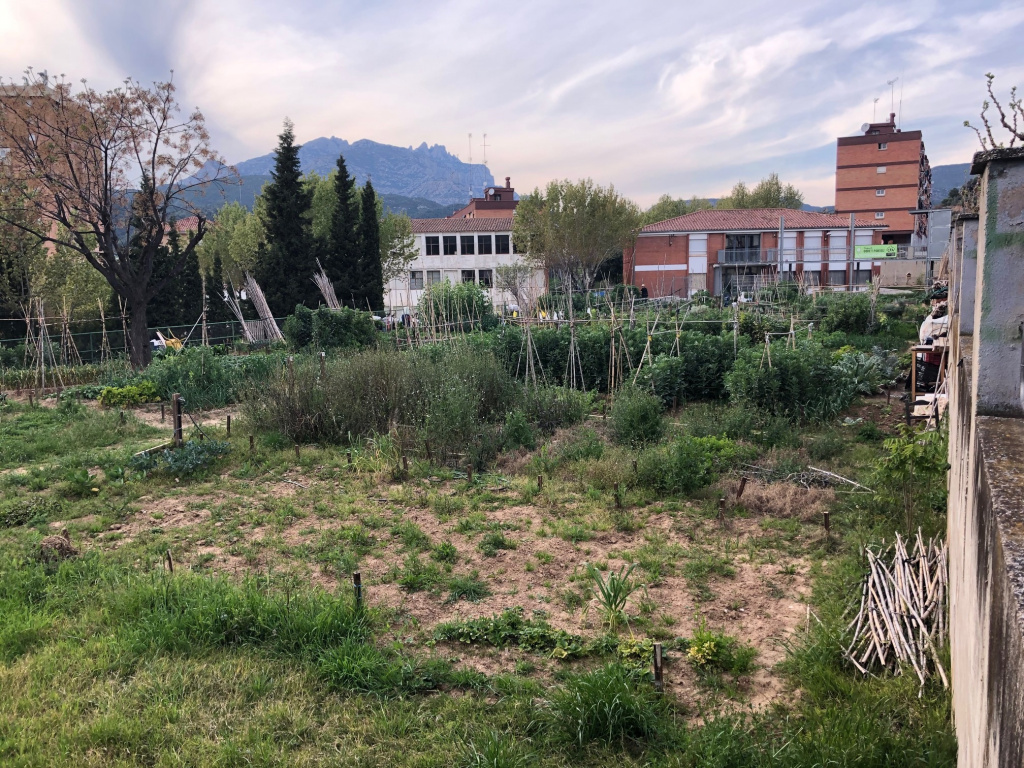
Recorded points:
428,172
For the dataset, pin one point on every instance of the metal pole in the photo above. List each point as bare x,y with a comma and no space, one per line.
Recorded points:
176,419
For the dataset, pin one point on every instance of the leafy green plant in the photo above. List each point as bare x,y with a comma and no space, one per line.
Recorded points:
193,457
418,575
826,446
511,629
132,394
636,418
445,552
612,593
910,477
688,463
709,650
517,432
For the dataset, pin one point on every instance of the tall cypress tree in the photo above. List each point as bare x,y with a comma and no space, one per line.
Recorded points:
285,273
343,261
181,300
216,308
371,272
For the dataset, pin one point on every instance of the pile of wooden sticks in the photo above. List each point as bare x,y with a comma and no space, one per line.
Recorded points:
902,620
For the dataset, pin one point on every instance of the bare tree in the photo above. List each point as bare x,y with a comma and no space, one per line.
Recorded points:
1011,117
514,279
107,176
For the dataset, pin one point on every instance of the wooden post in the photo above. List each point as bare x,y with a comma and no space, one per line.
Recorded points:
827,522
405,464
169,561
721,509
297,456
659,677
743,486
357,587
176,419
229,425
291,376
469,472
540,482
163,416
252,443
618,497
323,366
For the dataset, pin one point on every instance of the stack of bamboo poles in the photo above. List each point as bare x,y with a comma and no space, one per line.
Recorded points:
902,618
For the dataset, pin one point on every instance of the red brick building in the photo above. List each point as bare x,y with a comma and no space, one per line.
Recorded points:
884,173
497,203
727,251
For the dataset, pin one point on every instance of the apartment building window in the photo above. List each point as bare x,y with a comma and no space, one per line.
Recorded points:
486,278
883,145
880,169
433,276
879,214
501,243
468,276
879,193
483,243
433,245
449,245
467,245
416,281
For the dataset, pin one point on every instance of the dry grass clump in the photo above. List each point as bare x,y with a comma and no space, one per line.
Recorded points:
53,549
785,500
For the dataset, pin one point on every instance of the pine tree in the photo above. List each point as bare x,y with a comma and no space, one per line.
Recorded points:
343,260
371,272
285,273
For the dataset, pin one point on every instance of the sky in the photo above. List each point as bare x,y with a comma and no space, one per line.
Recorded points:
662,97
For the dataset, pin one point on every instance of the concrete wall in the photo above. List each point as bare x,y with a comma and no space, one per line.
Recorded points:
986,482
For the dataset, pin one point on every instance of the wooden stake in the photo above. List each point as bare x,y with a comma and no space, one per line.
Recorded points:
659,678
469,472
176,419
252,443
827,522
618,497
291,376
163,416
169,561
405,464
229,425
743,486
357,587
297,457
721,509
323,365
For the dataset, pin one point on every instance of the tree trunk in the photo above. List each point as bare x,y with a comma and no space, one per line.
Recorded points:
139,349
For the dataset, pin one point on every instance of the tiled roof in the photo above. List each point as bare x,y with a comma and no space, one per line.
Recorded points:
483,224
188,224
764,219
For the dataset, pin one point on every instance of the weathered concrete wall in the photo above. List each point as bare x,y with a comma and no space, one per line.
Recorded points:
986,483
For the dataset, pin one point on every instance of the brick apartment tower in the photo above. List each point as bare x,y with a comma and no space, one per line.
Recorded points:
884,173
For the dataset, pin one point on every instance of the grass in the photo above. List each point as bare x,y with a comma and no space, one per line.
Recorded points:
237,659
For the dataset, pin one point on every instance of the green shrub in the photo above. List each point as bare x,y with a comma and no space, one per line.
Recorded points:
636,418
342,329
688,463
511,629
610,706
208,380
580,446
826,446
466,305
796,383
133,394
553,407
517,433
847,312
697,372
298,328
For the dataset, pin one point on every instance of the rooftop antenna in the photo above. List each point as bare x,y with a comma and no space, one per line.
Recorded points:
874,110
892,93
900,113
485,149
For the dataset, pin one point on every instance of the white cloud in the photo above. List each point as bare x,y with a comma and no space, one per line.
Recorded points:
655,97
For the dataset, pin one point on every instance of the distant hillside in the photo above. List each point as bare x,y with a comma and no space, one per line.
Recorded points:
245,193
947,177
429,173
